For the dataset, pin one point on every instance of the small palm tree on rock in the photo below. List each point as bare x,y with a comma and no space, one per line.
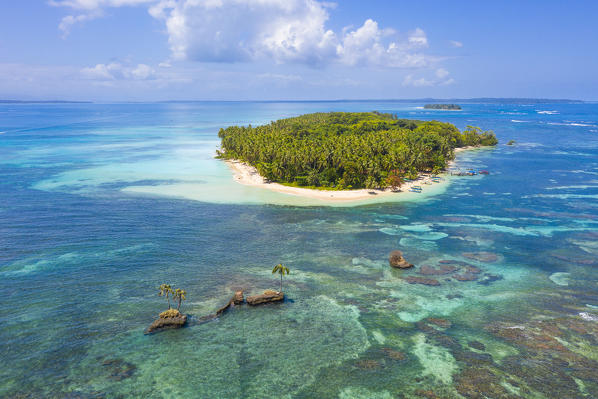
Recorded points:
282,270
166,290
179,295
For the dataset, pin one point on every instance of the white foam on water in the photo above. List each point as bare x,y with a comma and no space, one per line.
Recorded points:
563,196
518,231
482,218
419,228
52,262
531,230
547,112
580,186
560,278
431,236
588,316
391,231
571,124
588,246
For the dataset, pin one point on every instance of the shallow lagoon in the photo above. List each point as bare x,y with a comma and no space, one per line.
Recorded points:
100,203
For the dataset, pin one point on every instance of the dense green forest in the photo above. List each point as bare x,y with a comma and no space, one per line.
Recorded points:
344,150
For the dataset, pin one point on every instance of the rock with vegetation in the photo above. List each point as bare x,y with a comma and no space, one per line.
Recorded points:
282,270
347,150
168,319
268,296
449,107
171,318
511,142
396,260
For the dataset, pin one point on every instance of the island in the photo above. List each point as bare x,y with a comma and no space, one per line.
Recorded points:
448,107
339,151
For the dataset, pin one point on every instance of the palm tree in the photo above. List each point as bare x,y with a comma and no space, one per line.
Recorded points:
282,270
179,295
166,290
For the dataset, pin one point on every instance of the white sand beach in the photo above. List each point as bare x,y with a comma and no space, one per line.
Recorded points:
246,174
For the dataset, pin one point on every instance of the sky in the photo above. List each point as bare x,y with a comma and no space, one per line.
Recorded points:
154,50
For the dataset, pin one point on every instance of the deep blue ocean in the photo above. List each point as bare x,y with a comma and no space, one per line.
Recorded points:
102,203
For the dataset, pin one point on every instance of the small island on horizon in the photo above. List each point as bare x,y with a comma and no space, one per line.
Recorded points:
344,152
448,107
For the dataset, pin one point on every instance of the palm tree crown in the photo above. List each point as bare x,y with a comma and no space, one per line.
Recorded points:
179,295
282,270
166,290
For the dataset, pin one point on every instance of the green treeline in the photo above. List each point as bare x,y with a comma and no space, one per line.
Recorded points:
343,150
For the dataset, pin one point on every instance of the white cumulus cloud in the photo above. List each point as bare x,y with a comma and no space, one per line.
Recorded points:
118,71
440,78
87,10
286,31
282,31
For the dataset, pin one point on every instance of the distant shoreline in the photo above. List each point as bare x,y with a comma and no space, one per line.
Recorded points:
43,102
479,100
246,174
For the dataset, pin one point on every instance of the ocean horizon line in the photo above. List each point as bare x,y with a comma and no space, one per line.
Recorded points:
473,100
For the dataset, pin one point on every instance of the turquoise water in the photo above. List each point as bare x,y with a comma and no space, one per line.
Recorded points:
101,203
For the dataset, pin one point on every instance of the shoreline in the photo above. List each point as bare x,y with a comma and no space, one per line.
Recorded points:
246,174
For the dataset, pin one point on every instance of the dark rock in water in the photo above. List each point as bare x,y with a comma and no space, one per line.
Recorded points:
454,296
453,262
368,364
394,354
430,271
480,383
579,261
544,375
481,256
267,297
426,328
205,319
489,278
477,345
473,358
473,269
427,394
167,320
396,260
237,299
421,280
119,369
444,323
447,341
465,277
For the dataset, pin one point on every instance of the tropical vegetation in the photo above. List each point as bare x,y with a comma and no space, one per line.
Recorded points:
451,107
177,294
344,150
166,291
282,270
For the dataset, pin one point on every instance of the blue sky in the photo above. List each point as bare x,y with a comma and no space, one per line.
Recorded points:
113,50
